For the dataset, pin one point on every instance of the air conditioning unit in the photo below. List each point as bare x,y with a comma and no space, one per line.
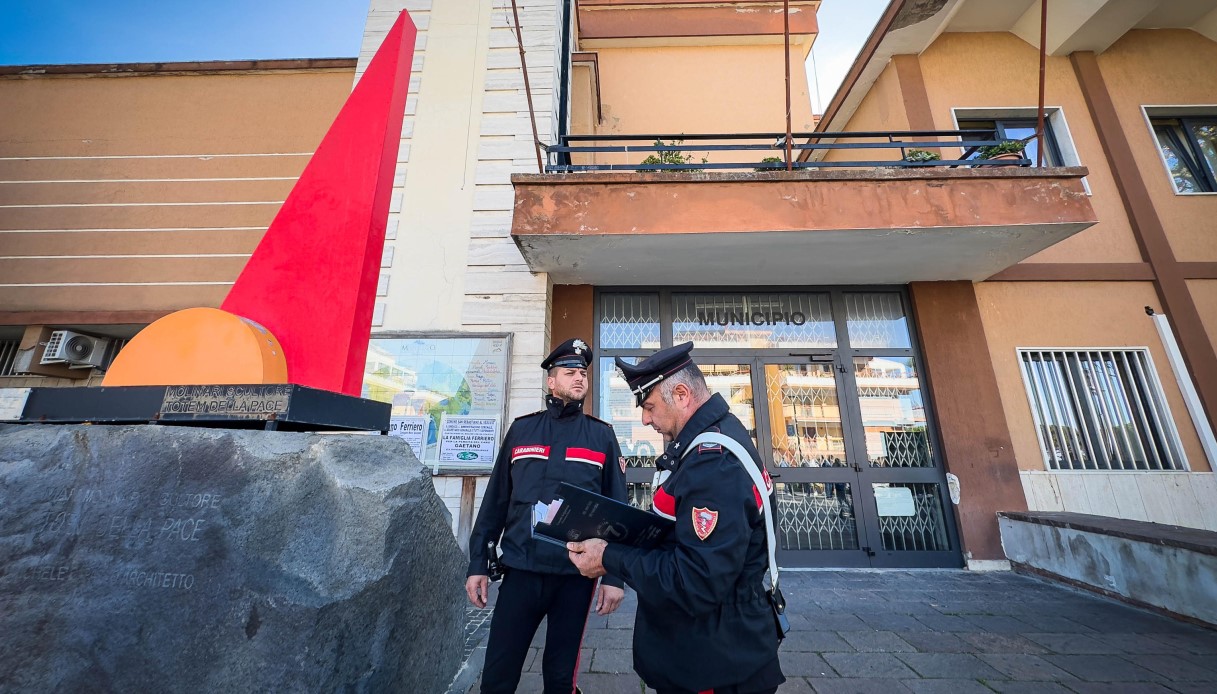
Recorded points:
76,350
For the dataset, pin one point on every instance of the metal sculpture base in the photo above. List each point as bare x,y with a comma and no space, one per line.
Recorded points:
274,407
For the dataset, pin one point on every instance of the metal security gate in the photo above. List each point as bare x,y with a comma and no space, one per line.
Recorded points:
828,384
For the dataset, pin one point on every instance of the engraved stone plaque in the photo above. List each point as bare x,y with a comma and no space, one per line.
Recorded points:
173,559
248,402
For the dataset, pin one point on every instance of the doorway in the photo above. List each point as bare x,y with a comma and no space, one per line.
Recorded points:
828,384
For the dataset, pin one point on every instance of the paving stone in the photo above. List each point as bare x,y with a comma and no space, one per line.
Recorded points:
1177,669
946,686
1064,633
839,622
877,642
1120,688
893,622
949,665
1204,661
609,638
998,624
602,684
1054,624
1192,687
936,642
944,622
1194,640
1016,687
1137,643
1002,643
868,665
795,685
612,660
1102,668
856,685
1025,667
797,664
815,642
585,659
1070,644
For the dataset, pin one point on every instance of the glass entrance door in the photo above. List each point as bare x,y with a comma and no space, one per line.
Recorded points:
850,454
828,384
810,456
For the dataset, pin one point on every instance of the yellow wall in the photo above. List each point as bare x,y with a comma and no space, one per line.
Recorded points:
1204,293
157,232
1165,67
199,113
984,70
1065,316
881,109
700,89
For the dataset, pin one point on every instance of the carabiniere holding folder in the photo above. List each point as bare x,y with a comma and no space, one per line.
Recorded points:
539,452
706,620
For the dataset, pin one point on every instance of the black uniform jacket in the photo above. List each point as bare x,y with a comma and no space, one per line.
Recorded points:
541,450
703,620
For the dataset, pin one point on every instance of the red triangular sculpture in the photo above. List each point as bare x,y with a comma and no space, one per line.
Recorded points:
312,279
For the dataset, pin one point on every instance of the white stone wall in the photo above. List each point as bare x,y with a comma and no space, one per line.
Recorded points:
501,295
432,223
1172,498
449,263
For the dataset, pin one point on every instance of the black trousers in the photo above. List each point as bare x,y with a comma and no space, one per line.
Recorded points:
524,599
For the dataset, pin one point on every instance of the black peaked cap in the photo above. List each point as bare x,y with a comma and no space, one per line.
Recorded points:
647,374
574,354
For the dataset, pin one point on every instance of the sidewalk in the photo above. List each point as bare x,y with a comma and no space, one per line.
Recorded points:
926,631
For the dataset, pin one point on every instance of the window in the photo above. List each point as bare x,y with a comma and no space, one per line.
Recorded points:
1017,129
1189,148
1100,410
8,354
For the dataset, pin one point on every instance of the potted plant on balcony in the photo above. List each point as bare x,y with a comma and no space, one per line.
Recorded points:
1009,149
669,157
921,157
771,160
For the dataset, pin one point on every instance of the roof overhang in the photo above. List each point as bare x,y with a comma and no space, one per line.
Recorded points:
908,27
883,226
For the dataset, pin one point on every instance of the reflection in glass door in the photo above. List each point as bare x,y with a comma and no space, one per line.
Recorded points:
810,461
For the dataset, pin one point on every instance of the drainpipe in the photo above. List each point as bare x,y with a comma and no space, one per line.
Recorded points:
564,80
786,43
1039,122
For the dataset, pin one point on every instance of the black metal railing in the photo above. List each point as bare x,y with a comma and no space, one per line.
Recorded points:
963,148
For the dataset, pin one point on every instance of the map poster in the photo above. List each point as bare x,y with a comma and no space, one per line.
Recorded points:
468,440
411,428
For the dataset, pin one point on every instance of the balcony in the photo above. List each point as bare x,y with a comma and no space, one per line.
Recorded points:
860,214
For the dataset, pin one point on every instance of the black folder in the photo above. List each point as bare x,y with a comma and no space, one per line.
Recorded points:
585,514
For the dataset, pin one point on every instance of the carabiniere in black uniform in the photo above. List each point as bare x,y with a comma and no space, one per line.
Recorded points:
703,620
540,451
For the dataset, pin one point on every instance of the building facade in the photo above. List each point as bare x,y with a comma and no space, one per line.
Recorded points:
914,348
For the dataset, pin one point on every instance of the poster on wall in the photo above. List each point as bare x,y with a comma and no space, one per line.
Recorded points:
413,429
434,377
466,440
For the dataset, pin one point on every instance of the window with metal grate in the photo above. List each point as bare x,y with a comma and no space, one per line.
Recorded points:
1100,409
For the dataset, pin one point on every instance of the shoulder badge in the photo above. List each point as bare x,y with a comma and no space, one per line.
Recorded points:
710,448
704,521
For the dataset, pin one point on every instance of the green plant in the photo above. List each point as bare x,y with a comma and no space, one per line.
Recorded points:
772,160
1006,147
921,155
669,157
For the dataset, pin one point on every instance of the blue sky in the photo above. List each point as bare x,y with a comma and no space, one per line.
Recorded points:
132,31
